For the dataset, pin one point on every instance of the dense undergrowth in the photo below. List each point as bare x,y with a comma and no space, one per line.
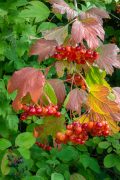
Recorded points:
21,24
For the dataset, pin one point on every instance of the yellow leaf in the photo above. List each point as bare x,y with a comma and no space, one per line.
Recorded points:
98,100
84,119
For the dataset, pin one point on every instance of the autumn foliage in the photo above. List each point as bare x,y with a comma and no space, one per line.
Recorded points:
79,88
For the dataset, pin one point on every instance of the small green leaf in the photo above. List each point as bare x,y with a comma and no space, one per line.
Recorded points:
25,153
77,176
25,140
4,144
46,26
94,165
12,121
68,154
57,176
85,160
33,178
49,91
110,160
95,76
104,145
5,169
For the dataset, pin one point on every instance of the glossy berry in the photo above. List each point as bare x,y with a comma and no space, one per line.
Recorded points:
50,110
43,146
79,54
78,133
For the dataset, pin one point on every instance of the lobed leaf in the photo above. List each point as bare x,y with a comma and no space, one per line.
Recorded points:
108,58
37,10
43,48
75,99
87,31
101,107
26,81
60,6
59,34
98,100
89,27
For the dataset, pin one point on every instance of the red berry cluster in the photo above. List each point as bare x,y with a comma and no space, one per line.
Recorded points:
51,110
77,80
78,133
77,54
43,146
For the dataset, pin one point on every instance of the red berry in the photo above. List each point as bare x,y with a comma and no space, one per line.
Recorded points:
61,137
70,127
68,132
23,116
38,110
57,114
32,111
78,130
90,125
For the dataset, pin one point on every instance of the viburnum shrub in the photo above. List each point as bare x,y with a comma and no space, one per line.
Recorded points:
82,62
73,108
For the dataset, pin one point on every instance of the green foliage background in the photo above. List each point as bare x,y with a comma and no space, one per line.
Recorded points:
21,22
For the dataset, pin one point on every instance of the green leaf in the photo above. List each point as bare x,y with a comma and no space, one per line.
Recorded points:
4,144
25,140
49,91
104,145
57,176
85,160
77,176
68,154
5,169
37,10
110,160
12,121
95,76
46,26
33,178
25,153
94,165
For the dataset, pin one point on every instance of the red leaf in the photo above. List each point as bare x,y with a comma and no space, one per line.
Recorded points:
89,31
26,80
43,48
99,13
59,6
108,58
59,89
76,98
89,27
116,91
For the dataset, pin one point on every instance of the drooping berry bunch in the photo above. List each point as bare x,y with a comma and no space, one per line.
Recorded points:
43,146
78,133
79,54
51,110
76,80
